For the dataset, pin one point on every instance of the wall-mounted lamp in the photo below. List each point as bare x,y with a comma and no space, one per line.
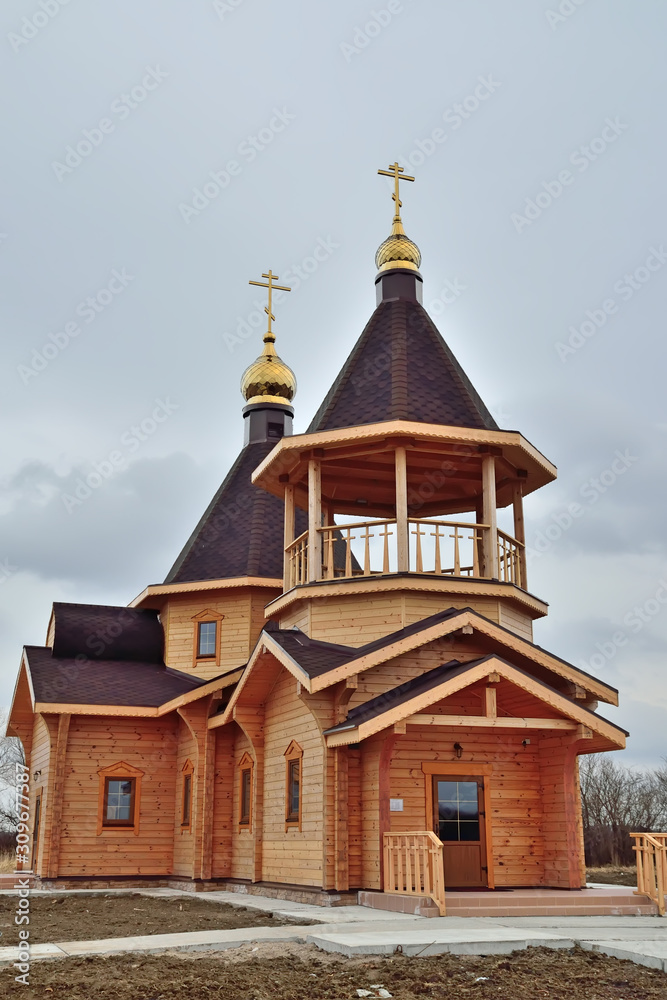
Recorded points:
525,743
458,750
36,775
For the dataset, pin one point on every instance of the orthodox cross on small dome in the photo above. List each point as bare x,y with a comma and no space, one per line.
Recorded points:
397,173
270,285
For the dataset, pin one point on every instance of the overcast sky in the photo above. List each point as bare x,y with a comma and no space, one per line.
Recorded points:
536,133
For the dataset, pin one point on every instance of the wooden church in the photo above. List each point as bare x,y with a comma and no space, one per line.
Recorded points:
336,687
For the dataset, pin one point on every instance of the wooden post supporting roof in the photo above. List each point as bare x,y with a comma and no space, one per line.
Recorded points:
490,517
520,530
341,832
252,723
56,796
289,534
314,520
402,536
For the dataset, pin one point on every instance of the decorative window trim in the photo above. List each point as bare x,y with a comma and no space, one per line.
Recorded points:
246,766
118,772
209,615
187,771
293,754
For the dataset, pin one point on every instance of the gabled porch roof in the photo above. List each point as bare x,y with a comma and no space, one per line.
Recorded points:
407,705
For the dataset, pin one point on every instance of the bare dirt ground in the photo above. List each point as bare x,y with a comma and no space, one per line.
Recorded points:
83,918
612,875
300,972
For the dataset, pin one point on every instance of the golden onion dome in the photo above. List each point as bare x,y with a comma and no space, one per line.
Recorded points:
268,379
398,250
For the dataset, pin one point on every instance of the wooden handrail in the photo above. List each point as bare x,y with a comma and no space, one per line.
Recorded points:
651,852
413,866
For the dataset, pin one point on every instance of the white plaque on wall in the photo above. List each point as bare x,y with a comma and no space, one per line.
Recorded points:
396,805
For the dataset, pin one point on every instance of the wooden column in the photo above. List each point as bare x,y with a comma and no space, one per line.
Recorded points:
520,530
314,520
252,724
57,793
490,517
479,519
402,535
289,536
340,819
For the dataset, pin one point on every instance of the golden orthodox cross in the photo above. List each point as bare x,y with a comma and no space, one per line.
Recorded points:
395,171
270,285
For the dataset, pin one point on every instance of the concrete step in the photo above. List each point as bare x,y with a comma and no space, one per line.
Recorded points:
600,902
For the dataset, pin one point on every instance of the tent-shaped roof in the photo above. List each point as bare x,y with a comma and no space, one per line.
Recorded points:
401,369
241,531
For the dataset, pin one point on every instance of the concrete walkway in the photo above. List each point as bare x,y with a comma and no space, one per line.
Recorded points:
357,930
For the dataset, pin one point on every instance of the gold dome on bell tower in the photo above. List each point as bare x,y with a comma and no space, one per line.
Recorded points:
398,250
268,379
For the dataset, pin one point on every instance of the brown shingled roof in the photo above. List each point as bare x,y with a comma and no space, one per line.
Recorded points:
100,631
104,682
401,369
241,531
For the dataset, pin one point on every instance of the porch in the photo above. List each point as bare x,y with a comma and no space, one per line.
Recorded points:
414,882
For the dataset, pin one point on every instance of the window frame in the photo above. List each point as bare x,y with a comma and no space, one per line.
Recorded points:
293,757
120,771
188,784
207,617
246,767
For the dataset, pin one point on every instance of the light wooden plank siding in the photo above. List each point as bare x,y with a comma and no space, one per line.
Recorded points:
403,668
563,846
95,743
516,803
511,618
242,837
297,616
355,620
223,802
43,734
289,854
354,820
243,610
184,837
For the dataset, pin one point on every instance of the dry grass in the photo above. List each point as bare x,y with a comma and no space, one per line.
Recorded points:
7,862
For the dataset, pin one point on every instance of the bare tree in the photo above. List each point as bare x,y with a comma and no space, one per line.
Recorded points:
11,754
616,801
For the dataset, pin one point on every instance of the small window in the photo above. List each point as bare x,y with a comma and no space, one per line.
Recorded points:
293,790
246,796
187,800
207,635
275,430
119,802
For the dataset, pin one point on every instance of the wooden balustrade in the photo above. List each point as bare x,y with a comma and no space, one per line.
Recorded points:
651,852
296,562
511,559
413,866
438,548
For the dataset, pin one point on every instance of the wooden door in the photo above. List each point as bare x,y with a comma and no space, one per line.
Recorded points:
458,820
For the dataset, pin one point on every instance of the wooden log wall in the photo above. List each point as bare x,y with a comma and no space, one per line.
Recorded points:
289,854
563,840
97,742
355,620
243,610
517,812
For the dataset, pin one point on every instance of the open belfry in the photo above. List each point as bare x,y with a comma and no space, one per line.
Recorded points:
335,694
